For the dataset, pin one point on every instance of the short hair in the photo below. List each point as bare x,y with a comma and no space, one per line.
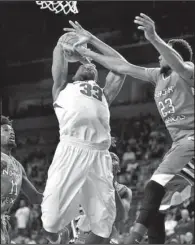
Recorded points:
5,121
183,48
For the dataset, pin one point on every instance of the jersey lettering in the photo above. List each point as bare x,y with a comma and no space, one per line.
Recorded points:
14,189
166,107
91,91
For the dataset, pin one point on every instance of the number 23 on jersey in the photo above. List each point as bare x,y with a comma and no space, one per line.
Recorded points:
91,91
166,107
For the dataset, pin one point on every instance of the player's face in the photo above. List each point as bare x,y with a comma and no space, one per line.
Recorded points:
162,62
7,136
85,72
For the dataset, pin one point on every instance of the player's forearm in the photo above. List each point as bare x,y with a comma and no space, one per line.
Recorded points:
126,204
59,63
172,58
118,65
111,63
104,48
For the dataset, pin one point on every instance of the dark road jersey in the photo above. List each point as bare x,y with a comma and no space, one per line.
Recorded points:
11,181
174,98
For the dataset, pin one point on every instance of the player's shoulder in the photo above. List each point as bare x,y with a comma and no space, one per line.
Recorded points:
4,156
189,63
18,163
153,74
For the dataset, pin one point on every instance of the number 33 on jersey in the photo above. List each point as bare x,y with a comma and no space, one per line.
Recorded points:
91,90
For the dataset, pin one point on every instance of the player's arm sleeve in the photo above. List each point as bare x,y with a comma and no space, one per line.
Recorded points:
152,75
174,60
29,190
59,71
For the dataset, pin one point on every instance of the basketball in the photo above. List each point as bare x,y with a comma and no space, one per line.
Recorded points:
70,38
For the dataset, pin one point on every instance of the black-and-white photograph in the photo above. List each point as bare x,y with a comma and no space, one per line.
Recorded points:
97,122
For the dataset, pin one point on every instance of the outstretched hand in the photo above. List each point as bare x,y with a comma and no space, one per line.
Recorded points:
69,51
85,36
147,25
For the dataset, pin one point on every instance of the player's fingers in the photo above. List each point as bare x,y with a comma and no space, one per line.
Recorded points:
69,29
146,17
139,22
77,23
141,28
146,22
73,25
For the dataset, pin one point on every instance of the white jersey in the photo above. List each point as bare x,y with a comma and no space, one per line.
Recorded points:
83,112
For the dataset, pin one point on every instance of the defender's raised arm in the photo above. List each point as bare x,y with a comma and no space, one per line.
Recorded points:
185,68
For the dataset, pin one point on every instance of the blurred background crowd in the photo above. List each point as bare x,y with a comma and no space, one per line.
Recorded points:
142,139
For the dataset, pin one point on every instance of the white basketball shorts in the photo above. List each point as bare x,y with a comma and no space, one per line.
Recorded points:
80,174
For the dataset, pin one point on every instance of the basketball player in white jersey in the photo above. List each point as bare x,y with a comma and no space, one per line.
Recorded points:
81,170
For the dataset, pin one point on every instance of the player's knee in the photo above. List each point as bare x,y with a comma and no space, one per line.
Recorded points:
50,223
153,194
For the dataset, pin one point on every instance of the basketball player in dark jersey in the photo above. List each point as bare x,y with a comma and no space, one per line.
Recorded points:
174,96
13,178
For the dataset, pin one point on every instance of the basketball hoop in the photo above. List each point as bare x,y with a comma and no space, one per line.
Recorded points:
59,6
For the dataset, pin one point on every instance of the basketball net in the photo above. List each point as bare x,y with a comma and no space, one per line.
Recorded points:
59,6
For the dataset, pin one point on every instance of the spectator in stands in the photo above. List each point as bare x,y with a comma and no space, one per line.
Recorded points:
128,157
22,218
185,224
188,238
